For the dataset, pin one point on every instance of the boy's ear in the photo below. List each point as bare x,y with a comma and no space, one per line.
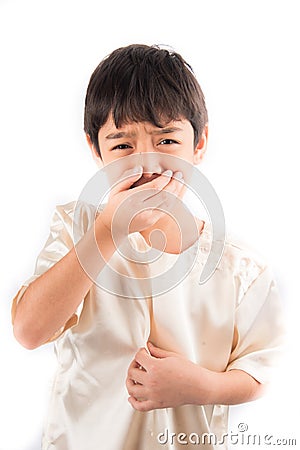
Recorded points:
200,150
95,154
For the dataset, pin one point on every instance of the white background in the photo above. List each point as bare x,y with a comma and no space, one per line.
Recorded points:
246,57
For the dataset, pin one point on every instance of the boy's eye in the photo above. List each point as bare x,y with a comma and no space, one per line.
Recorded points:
168,142
121,147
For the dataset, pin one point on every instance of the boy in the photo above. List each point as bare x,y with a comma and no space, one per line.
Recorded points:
182,355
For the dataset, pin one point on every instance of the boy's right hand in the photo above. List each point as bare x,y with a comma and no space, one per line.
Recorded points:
134,209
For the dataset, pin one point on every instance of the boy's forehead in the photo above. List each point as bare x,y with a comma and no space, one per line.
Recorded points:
174,125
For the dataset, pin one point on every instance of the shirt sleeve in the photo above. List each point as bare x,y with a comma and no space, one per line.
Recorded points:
58,244
260,329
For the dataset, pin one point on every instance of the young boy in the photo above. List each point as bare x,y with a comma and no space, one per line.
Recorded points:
138,371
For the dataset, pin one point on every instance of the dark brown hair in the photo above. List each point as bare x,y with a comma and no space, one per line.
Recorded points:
141,83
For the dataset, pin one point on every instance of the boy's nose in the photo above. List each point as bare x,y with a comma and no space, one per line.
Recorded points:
151,162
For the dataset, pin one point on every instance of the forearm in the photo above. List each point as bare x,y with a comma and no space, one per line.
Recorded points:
51,299
224,388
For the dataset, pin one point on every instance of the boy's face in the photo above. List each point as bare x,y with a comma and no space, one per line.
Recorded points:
175,138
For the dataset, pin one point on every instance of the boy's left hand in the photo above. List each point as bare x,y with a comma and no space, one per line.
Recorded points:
161,380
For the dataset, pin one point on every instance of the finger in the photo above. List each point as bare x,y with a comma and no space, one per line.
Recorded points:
155,197
154,192
133,365
129,384
135,390
137,375
145,219
157,184
143,358
158,352
164,198
141,406
178,176
176,184
127,179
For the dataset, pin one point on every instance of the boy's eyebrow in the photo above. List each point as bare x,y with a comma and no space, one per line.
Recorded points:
166,130
119,135
123,134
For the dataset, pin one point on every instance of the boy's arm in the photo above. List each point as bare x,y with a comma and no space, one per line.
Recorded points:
49,301
166,380
171,379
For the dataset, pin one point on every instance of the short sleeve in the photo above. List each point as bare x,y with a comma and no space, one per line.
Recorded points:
58,244
259,324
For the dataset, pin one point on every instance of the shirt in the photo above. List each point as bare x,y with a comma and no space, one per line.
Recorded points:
233,321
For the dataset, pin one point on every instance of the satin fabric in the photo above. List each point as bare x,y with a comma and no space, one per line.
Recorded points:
233,321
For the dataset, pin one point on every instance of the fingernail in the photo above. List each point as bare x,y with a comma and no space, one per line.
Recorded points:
137,169
178,175
167,173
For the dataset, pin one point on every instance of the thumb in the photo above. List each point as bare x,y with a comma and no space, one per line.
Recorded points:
158,352
128,178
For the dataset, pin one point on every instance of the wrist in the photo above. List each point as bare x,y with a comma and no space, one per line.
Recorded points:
207,386
104,231
225,388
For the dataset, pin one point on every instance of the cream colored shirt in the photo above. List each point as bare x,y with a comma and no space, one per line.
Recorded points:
233,321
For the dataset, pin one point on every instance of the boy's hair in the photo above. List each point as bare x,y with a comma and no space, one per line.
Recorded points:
141,83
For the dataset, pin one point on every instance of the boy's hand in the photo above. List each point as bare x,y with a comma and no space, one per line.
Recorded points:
131,210
163,380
